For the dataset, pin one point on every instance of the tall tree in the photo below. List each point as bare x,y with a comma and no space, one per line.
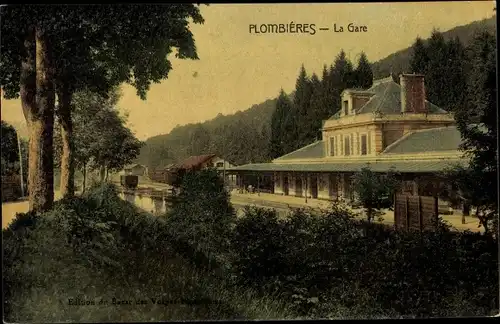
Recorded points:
117,145
477,123
166,28
127,43
363,73
102,140
301,102
419,59
329,92
341,77
436,73
76,68
283,108
315,115
444,66
455,88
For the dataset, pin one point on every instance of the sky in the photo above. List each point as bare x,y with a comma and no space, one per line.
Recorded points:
238,69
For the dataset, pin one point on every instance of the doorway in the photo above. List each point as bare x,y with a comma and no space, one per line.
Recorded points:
314,186
285,185
333,186
298,186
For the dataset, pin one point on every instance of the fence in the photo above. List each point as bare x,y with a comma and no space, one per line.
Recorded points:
415,212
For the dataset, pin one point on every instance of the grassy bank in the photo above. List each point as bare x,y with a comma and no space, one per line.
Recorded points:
98,247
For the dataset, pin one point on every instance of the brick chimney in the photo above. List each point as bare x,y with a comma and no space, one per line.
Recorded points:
412,93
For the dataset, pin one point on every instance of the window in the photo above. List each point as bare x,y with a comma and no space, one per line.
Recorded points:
341,140
347,145
369,142
220,164
346,107
364,145
332,146
357,140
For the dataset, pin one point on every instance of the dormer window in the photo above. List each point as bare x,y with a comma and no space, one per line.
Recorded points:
346,107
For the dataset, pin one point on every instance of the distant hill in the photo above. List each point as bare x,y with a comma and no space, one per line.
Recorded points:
244,136
400,61
238,137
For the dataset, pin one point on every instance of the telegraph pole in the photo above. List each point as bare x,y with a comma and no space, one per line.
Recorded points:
224,156
20,163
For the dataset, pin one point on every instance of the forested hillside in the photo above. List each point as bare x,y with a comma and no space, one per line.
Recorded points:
240,138
264,132
400,61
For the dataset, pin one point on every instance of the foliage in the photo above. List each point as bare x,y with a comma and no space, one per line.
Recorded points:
320,108
256,240
10,152
324,265
477,123
201,218
229,138
43,260
399,62
464,185
374,191
283,107
124,43
314,101
444,65
128,42
101,136
304,88
363,74
10,163
419,58
273,131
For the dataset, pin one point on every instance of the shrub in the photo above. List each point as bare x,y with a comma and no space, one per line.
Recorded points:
256,245
47,260
374,191
202,217
315,262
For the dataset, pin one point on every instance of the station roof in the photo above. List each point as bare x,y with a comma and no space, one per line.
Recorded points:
406,166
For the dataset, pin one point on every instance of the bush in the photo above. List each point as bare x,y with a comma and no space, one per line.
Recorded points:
374,191
326,264
258,246
64,254
201,220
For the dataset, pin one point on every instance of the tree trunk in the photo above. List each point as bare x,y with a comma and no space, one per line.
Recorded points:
84,177
67,186
465,212
107,174
482,219
102,173
369,213
37,98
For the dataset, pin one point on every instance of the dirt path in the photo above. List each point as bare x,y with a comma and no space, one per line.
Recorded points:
10,209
